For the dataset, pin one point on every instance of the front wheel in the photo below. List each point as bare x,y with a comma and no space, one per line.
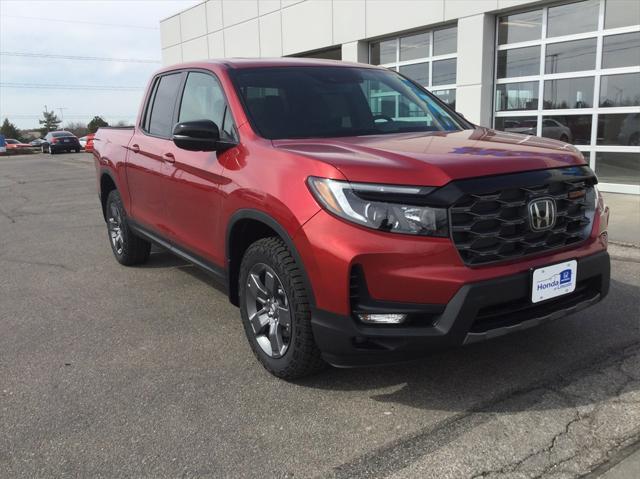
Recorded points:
128,248
275,310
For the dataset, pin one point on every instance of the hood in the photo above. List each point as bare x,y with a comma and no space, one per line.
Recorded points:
435,158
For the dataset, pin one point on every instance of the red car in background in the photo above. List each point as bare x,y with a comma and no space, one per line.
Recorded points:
15,144
87,142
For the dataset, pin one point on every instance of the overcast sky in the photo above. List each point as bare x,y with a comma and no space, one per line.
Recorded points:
122,29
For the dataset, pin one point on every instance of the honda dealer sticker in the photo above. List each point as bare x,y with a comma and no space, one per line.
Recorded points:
554,280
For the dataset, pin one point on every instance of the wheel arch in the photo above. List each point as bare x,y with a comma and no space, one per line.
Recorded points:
244,228
107,184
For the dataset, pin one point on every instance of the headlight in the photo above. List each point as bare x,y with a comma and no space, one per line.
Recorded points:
381,207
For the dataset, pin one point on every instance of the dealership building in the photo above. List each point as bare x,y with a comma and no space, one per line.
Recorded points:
564,70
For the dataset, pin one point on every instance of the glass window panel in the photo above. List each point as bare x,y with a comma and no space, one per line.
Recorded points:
518,62
621,50
445,41
444,72
619,129
161,122
574,129
620,90
526,125
414,47
621,13
520,27
447,96
568,93
573,18
418,72
383,52
571,56
618,168
517,96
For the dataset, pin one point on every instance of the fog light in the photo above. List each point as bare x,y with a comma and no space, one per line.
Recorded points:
382,318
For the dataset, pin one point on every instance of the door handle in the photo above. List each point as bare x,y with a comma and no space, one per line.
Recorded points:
169,158
135,148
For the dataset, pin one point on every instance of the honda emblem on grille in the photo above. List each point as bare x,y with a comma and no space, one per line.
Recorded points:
542,214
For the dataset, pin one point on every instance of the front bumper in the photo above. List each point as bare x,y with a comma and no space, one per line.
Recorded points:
478,311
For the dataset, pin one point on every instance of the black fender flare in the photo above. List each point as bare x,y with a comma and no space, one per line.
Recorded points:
261,216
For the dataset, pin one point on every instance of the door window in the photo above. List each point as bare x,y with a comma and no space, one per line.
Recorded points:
161,117
203,99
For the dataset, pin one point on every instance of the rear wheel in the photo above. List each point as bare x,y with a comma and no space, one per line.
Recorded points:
128,248
275,310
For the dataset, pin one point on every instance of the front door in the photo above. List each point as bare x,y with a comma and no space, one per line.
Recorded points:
194,177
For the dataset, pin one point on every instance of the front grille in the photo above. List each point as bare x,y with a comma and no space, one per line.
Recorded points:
494,225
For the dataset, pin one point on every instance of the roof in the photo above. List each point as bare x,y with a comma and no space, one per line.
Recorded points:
271,62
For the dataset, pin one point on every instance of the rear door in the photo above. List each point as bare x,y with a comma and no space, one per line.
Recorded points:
194,177
150,153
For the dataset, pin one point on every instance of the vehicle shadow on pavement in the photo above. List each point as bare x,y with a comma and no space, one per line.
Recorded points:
162,258
484,376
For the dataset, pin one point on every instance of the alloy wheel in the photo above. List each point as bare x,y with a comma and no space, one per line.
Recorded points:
268,310
115,228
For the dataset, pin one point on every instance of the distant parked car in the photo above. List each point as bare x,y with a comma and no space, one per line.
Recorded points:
15,144
550,129
86,142
88,147
630,131
57,141
37,142
3,144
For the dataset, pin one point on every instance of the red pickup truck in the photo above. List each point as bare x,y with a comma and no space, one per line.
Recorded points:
352,216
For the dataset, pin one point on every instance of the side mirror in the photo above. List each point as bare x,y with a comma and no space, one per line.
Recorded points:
198,135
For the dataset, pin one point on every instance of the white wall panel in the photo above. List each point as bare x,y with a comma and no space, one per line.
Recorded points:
463,8
387,17
513,3
307,26
170,32
237,11
271,35
268,6
196,49
242,40
193,22
172,55
348,20
214,15
216,44
355,52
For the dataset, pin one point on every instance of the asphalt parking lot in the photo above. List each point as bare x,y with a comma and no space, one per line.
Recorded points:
108,371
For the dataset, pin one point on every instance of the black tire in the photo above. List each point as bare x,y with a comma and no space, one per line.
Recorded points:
77,150
44,150
130,249
302,356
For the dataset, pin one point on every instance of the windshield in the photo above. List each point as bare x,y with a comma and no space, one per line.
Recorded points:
321,102
61,134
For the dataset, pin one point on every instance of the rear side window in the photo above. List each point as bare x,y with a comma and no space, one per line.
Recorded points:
161,113
203,99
